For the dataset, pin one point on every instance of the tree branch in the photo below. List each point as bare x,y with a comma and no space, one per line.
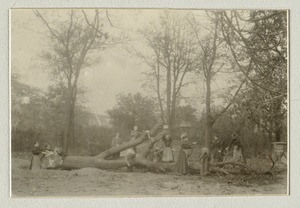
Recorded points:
233,98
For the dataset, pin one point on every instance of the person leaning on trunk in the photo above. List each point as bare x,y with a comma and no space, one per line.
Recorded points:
116,142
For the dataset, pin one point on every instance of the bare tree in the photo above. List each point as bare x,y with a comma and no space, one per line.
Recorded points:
72,41
211,60
171,61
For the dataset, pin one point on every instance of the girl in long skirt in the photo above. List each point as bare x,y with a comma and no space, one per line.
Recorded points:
167,155
131,152
182,160
237,148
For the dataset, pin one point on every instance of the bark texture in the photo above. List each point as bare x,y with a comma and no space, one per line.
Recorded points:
100,161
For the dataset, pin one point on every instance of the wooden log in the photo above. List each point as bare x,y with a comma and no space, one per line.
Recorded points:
129,144
100,161
78,162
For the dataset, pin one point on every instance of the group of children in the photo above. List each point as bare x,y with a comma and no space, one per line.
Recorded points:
162,150
38,154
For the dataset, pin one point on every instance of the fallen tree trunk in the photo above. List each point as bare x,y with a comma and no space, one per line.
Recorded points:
140,160
151,143
78,162
100,161
129,144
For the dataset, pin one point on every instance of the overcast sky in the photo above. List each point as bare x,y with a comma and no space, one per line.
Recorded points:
116,72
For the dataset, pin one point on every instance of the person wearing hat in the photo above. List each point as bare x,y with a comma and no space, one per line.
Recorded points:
181,166
35,162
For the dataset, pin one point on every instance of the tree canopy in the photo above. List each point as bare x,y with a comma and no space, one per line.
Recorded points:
131,110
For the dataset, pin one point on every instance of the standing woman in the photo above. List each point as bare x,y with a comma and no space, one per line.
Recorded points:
216,147
235,142
167,155
135,135
131,152
116,142
182,160
35,162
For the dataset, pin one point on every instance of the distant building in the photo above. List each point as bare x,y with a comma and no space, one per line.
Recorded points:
100,120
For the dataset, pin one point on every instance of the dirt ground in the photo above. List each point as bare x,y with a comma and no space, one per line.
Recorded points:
95,182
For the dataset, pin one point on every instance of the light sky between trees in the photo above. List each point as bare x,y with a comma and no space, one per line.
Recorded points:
117,70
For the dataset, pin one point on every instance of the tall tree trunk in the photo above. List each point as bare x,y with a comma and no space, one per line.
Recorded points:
173,107
278,131
208,126
278,125
269,136
169,82
69,123
162,113
72,123
67,129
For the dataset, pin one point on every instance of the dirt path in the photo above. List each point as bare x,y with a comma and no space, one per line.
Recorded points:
95,182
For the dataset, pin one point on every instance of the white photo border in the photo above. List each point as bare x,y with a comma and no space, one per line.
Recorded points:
248,201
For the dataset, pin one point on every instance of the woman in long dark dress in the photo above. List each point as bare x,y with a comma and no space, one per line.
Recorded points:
216,147
182,160
35,162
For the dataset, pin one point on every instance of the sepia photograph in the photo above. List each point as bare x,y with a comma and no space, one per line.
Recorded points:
149,102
